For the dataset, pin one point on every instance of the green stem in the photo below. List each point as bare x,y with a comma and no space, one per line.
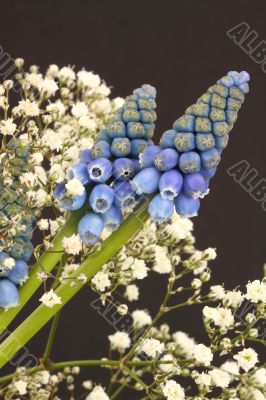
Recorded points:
84,363
51,337
16,340
46,262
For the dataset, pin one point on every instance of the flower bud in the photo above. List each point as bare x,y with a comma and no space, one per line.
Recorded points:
196,283
250,319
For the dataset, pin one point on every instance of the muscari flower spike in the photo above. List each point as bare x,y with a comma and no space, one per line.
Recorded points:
15,244
189,153
105,170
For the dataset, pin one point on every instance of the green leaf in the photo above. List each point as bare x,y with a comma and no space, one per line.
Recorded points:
130,227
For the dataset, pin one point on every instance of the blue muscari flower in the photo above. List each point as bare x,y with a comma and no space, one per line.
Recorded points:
101,198
103,135
160,209
17,249
170,184
136,163
27,251
125,195
166,159
189,162
121,147
79,171
205,141
168,139
68,203
116,129
90,228
100,170
210,158
186,206
195,185
85,156
208,173
146,181
101,149
146,158
8,294
184,141
19,274
137,147
123,169
112,218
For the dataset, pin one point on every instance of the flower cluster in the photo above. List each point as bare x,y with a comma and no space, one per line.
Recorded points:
113,158
56,116
189,153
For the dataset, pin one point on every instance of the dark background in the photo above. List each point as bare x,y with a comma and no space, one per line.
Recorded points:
181,47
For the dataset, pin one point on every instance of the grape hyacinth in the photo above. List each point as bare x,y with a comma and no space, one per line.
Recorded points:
124,165
181,167
100,181
15,224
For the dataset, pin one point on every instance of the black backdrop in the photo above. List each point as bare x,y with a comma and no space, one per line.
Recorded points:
181,47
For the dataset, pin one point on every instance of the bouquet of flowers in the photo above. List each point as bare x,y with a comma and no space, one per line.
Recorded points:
88,199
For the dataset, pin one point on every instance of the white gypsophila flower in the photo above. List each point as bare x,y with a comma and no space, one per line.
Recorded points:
43,224
220,316
219,378
79,109
202,354
103,90
88,79
28,179
132,292
54,226
49,299
234,298
162,264
141,318
29,108
256,291
203,380
217,292
101,106
40,197
34,79
210,254
56,108
72,244
66,74
169,367
52,70
56,173
151,347
184,343
97,393
74,187
43,377
2,90
101,281
139,269
72,153
122,309
120,341
9,263
246,359
173,390
3,102
49,87
259,378
21,387
40,174
36,158
118,102
52,140
86,143
87,384
8,127
87,122
180,227
231,367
